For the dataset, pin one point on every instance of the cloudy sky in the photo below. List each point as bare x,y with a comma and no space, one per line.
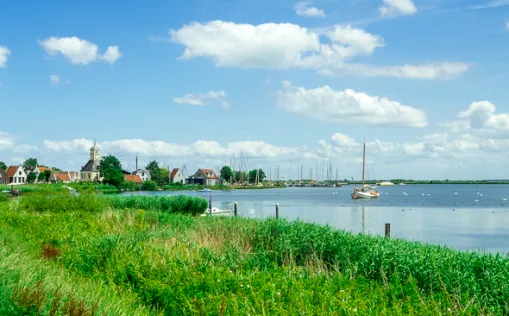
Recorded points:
284,83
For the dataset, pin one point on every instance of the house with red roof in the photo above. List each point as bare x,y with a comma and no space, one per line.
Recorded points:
16,175
134,178
64,176
204,177
177,176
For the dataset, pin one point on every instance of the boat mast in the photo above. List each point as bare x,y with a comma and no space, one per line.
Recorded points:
363,161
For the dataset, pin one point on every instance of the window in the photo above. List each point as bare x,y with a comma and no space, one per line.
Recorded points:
19,173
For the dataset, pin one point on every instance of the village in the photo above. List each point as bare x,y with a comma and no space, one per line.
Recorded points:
18,174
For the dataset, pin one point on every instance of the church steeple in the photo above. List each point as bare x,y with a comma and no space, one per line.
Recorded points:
95,153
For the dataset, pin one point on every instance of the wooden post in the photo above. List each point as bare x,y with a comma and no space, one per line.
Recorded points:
210,203
235,209
388,230
277,210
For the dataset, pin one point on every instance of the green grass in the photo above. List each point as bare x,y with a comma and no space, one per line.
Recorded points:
137,255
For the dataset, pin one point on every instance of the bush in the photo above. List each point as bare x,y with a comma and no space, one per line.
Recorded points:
128,186
149,185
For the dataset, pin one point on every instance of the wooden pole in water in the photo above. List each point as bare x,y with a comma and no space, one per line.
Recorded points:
210,203
235,209
388,230
277,210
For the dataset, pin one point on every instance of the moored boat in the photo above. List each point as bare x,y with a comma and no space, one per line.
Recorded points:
366,191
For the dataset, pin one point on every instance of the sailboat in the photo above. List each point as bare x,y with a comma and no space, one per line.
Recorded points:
366,191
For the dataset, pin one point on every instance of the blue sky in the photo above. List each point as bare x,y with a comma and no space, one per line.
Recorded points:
284,82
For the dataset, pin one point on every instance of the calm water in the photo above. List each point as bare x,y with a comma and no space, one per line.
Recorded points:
465,217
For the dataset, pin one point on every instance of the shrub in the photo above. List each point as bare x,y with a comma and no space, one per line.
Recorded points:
149,185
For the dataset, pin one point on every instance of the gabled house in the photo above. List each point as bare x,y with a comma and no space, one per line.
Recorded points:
204,177
37,170
144,174
134,178
177,176
64,176
59,177
16,175
4,179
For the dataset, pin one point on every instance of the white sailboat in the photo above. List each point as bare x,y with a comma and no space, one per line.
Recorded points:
366,191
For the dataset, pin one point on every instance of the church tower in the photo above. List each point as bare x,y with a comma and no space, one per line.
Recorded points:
95,155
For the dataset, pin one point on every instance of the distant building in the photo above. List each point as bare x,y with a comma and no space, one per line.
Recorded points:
16,175
37,170
144,174
177,176
90,172
134,178
4,179
64,176
204,177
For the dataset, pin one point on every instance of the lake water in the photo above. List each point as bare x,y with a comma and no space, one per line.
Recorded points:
465,217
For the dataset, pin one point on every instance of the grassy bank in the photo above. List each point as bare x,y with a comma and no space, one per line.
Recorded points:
132,255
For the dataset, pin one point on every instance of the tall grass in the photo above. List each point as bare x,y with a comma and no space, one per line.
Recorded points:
94,203
178,264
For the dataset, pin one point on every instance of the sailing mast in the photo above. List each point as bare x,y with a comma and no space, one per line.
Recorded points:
363,161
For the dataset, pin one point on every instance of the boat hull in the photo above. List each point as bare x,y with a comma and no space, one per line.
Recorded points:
363,195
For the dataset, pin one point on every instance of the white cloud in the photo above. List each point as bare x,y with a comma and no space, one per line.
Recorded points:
285,46
348,106
75,145
393,8
443,70
202,98
211,149
6,141
112,54
79,51
55,79
304,8
480,120
24,149
491,4
4,55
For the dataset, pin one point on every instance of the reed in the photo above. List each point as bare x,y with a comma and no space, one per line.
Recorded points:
168,263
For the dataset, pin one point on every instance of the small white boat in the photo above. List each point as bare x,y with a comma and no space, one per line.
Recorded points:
215,211
401,183
385,183
204,190
366,191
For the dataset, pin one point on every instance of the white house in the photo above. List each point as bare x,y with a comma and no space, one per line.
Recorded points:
16,175
177,176
144,174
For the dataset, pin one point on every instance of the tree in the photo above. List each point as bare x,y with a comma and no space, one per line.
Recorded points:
149,185
42,176
111,170
252,175
159,175
226,173
47,174
155,171
30,163
239,175
3,165
164,176
31,177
